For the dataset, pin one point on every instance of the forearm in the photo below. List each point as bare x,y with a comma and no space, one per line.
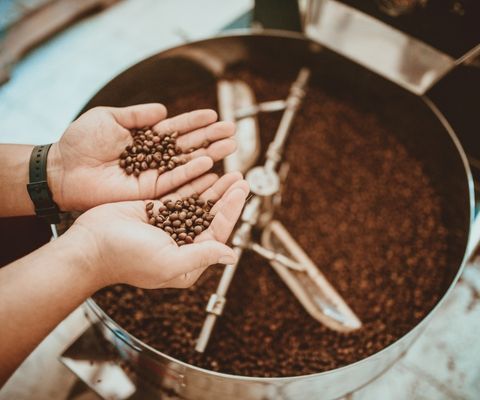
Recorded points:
37,292
14,199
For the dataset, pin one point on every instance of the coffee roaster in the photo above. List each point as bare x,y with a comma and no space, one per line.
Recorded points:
374,57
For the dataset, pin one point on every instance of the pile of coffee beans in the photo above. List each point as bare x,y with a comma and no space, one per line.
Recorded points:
151,150
363,207
183,219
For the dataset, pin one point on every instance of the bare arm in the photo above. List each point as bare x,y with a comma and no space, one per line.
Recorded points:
36,293
108,244
82,167
14,198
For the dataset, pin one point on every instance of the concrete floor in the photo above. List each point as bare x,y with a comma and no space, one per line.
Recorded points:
51,85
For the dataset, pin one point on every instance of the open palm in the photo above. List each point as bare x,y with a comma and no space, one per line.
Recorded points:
129,250
84,168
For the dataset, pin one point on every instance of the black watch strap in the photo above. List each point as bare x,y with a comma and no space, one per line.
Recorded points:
38,188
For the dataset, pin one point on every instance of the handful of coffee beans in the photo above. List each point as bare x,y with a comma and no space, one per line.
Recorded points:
183,219
151,150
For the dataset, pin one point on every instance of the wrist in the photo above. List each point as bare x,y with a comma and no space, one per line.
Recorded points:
55,175
81,251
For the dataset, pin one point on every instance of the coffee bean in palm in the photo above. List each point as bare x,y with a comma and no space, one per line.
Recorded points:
176,219
151,150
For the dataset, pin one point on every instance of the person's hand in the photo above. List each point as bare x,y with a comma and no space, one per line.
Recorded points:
83,169
121,247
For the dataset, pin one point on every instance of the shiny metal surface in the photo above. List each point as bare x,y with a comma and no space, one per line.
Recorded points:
234,95
309,285
175,68
398,57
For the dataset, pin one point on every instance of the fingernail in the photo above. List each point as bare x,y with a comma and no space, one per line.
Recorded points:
227,259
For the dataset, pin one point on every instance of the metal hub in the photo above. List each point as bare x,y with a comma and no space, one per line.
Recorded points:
263,181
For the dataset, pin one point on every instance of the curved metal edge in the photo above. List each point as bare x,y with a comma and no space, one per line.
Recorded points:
412,335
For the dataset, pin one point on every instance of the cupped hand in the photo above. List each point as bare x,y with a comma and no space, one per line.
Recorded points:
121,247
83,166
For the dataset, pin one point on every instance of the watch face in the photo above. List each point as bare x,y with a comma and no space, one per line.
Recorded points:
263,182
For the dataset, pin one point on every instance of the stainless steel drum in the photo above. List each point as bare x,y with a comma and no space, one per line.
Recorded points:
173,72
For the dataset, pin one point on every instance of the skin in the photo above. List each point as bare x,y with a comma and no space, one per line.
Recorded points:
112,242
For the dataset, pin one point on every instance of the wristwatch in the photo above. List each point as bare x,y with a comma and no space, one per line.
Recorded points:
38,188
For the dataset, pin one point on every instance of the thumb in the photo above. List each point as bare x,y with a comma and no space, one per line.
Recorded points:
202,255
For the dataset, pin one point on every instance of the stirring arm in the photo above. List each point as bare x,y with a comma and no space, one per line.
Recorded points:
266,189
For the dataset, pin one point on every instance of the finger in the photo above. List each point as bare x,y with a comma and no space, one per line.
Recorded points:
190,257
211,133
225,219
198,185
216,191
138,116
216,151
240,184
187,122
179,176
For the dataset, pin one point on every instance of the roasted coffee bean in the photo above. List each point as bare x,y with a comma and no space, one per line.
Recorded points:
152,221
129,170
151,151
136,172
172,218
